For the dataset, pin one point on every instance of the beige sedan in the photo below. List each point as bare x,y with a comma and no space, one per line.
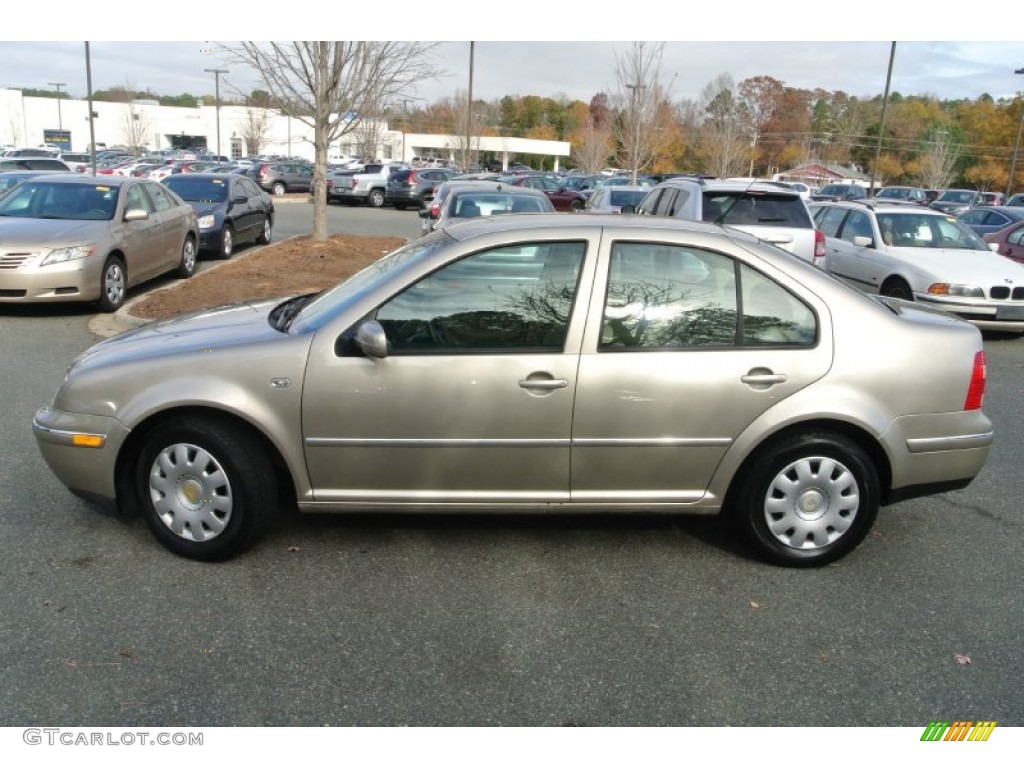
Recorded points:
85,238
538,363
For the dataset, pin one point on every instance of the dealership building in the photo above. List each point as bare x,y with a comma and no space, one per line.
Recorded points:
31,121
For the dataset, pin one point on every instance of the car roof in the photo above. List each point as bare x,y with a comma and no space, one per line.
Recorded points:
80,178
718,185
884,206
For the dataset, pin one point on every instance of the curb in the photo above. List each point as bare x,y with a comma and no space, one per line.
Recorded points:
107,325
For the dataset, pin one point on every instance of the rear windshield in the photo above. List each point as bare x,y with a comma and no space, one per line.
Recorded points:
621,197
751,208
198,190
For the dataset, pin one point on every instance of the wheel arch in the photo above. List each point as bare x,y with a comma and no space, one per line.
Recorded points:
127,501
853,432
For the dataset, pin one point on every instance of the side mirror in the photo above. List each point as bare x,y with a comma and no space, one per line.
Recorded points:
370,338
862,242
136,214
240,199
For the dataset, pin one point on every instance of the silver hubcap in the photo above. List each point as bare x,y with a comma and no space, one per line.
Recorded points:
113,283
811,503
188,255
190,492
227,245
266,229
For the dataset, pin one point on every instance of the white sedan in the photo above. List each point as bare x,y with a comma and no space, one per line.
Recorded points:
917,254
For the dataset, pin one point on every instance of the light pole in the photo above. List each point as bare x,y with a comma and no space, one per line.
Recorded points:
60,121
634,121
216,95
1016,146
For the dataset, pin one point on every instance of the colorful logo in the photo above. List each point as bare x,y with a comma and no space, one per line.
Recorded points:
959,730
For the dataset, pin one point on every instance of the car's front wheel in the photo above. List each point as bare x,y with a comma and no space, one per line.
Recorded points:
206,488
807,499
227,242
897,289
187,265
113,285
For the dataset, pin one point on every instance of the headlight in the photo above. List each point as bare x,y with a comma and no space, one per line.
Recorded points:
954,289
59,255
205,222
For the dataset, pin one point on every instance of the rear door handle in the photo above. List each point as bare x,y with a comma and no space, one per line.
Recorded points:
762,378
543,383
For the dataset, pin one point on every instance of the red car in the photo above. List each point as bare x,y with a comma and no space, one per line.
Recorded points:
561,196
1010,241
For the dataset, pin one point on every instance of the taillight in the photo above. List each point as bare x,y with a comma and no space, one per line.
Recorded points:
976,391
819,245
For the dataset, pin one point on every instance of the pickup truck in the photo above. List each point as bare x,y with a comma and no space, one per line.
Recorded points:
368,187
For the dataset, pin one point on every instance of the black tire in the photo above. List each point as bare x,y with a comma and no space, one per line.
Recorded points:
205,487
806,499
576,206
375,199
278,188
227,242
187,265
113,284
897,289
265,231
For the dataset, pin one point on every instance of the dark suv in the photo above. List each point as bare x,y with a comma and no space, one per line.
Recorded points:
834,192
278,178
413,186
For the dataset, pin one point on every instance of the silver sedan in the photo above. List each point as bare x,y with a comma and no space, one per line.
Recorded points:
544,363
85,238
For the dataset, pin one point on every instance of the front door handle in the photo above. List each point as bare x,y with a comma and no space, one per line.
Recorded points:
547,384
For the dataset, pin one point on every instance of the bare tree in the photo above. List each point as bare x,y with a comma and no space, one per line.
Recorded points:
462,116
936,163
725,133
14,125
640,98
759,99
593,145
136,127
332,86
254,128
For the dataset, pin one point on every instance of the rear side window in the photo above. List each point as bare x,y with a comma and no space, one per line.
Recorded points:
399,175
829,221
755,208
672,297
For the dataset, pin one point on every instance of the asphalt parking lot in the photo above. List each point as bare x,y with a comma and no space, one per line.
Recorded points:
431,620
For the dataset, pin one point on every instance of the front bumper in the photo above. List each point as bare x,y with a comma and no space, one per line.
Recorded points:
76,280
81,450
986,314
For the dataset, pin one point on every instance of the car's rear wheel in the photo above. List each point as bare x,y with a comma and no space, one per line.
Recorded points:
264,236
187,265
375,199
576,206
113,285
807,499
227,242
897,289
278,188
207,490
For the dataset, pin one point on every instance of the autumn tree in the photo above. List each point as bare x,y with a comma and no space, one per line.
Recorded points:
937,161
759,99
332,86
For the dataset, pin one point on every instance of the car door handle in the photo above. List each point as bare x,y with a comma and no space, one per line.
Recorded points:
763,377
547,384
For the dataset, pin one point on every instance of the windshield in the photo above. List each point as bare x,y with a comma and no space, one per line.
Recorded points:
914,230
327,304
47,200
199,190
893,193
956,196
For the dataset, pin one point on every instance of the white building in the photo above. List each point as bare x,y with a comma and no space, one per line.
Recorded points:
30,121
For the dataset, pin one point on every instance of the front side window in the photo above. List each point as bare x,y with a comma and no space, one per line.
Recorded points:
515,298
673,297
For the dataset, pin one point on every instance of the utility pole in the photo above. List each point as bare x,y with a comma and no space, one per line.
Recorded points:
216,95
467,154
60,121
92,115
881,127
634,131
1016,146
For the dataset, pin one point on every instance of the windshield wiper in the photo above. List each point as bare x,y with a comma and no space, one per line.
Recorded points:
282,315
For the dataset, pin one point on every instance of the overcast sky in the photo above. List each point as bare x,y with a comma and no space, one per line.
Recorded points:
546,63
